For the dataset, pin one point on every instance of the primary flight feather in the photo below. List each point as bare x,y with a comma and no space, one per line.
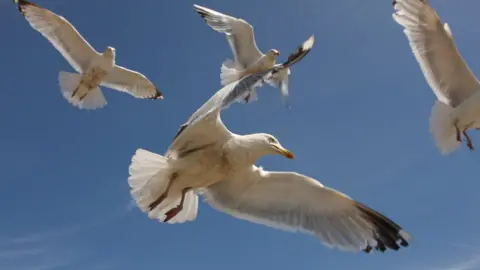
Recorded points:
94,69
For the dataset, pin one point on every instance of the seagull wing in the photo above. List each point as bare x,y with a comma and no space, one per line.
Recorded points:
280,77
205,125
291,201
239,34
132,82
229,94
300,52
432,44
223,98
63,36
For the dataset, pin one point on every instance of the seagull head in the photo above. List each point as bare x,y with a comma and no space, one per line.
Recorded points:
268,144
274,52
109,51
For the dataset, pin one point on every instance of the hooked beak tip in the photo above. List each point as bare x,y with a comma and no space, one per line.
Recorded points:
287,154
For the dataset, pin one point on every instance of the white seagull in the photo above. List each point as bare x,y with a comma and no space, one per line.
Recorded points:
248,58
94,69
457,107
206,158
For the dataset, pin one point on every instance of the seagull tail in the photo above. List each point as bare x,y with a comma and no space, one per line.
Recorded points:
280,80
150,174
72,91
442,128
229,72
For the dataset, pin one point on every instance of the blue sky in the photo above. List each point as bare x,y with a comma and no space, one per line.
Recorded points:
358,123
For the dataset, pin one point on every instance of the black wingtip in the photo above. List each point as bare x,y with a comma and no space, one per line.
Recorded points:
200,11
21,4
158,95
180,130
387,233
300,52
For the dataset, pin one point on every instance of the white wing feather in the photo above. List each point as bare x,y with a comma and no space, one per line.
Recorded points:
291,201
432,43
239,35
132,82
63,36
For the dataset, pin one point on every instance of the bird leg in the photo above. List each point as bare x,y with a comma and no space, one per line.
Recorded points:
174,211
164,195
75,92
247,98
469,141
83,96
78,86
459,137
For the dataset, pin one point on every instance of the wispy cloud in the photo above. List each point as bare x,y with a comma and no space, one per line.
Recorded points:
69,230
52,265
44,258
471,262
50,250
10,254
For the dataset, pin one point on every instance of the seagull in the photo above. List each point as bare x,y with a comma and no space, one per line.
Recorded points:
206,159
248,58
94,69
457,107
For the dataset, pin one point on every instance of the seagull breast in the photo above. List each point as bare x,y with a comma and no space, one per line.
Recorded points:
99,68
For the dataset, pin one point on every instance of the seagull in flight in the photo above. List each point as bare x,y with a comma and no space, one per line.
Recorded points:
457,108
94,69
207,159
248,58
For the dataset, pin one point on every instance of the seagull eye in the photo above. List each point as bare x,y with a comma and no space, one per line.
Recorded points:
271,140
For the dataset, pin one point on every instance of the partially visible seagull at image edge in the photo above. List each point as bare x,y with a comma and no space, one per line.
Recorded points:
457,107
207,159
248,58
94,69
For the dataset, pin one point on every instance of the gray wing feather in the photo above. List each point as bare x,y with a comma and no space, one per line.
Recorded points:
224,98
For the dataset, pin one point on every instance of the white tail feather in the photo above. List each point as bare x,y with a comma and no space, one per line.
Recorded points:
442,128
69,82
149,177
229,72
188,213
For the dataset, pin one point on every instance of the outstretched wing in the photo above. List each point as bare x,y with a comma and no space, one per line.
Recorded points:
209,113
432,44
295,202
300,52
63,36
239,34
132,82
280,74
223,98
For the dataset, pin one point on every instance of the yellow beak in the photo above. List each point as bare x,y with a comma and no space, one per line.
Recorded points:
285,153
